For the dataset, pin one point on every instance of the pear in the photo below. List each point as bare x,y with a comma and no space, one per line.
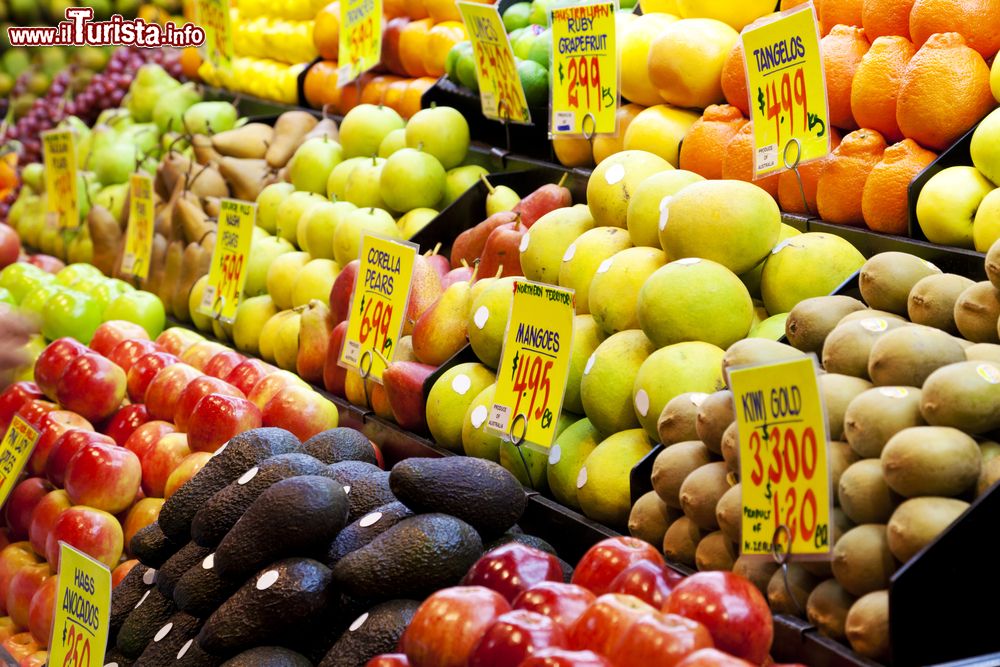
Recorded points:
335,375
269,336
404,387
415,220
425,289
499,198
362,187
210,118
281,277
151,83
190,220
249,141
347,236
168,114
262,254
289,132
336,182
171,274
246,177
204,151
251,316
487,320
314,341
268,201
314,281
441,330
195,263
106,236
543,247
310,167
476,440
325,128
449,399
316,227
206,181
583,257
286,346
291,210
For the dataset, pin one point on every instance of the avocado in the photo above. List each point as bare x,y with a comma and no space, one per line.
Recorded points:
376,631
366,529
412,559
295,516
152,547
226,506
271,656
367,486
192,655
229,462
114,658
126,595
267,607
171,572
341,444
480,492
201,590
523,538
168,640
149,615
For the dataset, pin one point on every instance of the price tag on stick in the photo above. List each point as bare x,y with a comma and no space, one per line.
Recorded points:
584,74
360,46
788,102
139,232
534,364
228,272
59,147
83,610
213,16
784,460
500,90
378,305
15,450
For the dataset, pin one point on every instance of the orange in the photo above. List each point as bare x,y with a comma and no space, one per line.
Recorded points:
734,80
410,104
190,62
442,10
886,17
605,145
350,95
375,90
394,93
738,161
885,201
440,39
843,48
326,31
978,21
317,83
788,4
945,91
413,42
876,85
573,151
704,146
416,9
393,8
838,193
839,12
789,194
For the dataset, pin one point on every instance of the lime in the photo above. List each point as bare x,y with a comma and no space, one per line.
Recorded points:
514,34
522,45
516,16
465,71
541,49
451,60
540,12
535,81
627,4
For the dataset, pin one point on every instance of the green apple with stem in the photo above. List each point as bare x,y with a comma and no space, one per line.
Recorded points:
441,131
310,166
411,179
267,204
316,227
365,127
143,308
71,313
347,238
291,210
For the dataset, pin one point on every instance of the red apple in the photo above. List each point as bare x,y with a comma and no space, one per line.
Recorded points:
302,411
513,568
606,621
65,448
10,245
342,291
44,517
147,435
199,354
188,468
733,610
33,410
660,639
140,515
47,263
51,363
105,477
42,611
144,370
246,376
160,460
165,390
21,646
710,657
13,557
449,624
22,588
113,332
605,560
217,418
51,427
4,539
271,384
560,657
124,422
122,571
223,363
563,603
177,339
91,386
131,350
514,636
389,660
92,531
14,397
197,390
645,580
22,502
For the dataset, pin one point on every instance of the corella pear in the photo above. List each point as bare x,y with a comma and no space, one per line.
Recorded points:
671,371
267,204
543,246
347,237
365,126
413,221
614,290
310,166
210,117
804,266
615,180
441,131
411,179
168,114
458,180
281,277
262,255
363,184
336,183
314,281
317,226
394,141
291,210
251,315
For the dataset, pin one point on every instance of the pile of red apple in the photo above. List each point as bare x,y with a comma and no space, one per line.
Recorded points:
133,420
623,608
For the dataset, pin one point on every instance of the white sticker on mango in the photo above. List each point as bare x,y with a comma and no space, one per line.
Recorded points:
615,174
481,316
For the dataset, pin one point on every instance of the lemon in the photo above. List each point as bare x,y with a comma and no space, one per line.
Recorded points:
636,39
659,130
685,61
736,14
661,6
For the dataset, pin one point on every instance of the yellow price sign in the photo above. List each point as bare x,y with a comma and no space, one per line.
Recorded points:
213,17
784,464
584,73
139,232
788,102
378,305
59,148
534,364
15,450
360,45
83,610
228,272
500,90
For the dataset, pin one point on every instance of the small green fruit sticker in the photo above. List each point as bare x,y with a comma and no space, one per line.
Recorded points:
894,392
989,373
874,324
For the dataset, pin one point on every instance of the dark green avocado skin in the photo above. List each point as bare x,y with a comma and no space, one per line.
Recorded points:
376,632
355,536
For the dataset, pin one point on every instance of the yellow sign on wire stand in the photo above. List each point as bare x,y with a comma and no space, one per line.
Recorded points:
59,148
139,232
83,611
213,17
500,90
360,45
15,450
228,272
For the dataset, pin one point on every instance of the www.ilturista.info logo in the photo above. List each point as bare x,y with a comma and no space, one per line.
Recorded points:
79,29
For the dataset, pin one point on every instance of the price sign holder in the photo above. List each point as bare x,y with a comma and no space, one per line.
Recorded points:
500,90
534,364
228,274
784,460
584,78
15,450
83,610
378,305
360,45
789,107
59,148
213,17
139,232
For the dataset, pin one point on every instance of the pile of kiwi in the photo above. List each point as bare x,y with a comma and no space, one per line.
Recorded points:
911,388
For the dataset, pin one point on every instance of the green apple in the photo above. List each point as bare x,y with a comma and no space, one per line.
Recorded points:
310,166
365,126
109,290
143,308
113,164
347,237
267,204
7,297
392,142
20,278
336,184
947,205
415,220
262,254
291,210
411,179
34,302
986,228
985,147
74,314
362,188
281,277
458,180
72,273
317,225
314,281
33,175
210,118
441,131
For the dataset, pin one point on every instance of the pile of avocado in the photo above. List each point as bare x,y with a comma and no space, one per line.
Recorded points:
284,553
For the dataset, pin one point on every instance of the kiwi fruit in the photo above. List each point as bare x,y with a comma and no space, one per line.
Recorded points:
715,414
931,461
731,448
672,466
649,519
977,311
837,392
918,521
932,300
757,351
811,320
729,513
983,352
887,278
908,355
839,524
848,347
715,552
841,458
827,608
791,598
677,420
681,541
875,415
963,395
757,570
989,476
993,264
862,561
867,626
863,494
859,315
966,344
701,491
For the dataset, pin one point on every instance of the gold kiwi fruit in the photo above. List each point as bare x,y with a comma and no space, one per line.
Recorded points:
931,461
677,420
812,320
932,300
877,414
672,466
862,561
887,278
